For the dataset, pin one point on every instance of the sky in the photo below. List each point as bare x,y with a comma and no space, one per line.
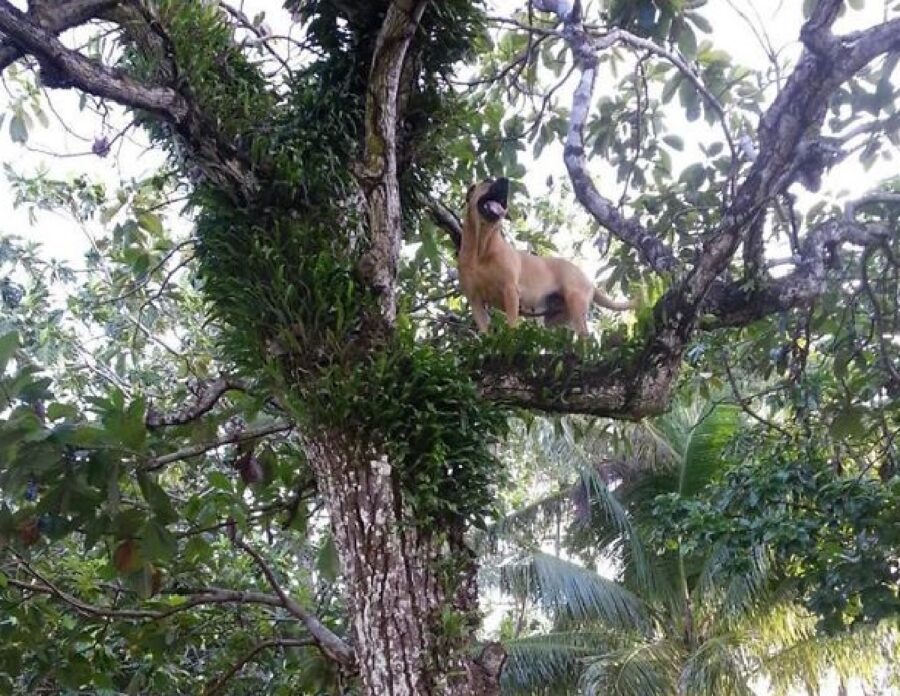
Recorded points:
779,19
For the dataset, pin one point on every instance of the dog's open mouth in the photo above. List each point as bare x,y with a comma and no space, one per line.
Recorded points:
495,208
492,205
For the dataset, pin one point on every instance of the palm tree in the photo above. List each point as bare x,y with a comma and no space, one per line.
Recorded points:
678,622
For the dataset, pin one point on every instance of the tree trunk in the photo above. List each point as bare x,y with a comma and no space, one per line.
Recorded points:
411,592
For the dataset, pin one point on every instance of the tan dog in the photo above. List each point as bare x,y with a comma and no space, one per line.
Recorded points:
494,274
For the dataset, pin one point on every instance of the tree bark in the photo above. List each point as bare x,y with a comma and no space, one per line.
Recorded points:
411,591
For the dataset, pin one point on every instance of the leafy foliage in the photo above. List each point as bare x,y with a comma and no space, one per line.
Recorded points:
731,532
711,620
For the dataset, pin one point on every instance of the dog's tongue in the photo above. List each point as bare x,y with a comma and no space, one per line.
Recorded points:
495,208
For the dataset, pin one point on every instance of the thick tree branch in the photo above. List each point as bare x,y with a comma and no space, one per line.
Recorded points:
651,249
329,642
196,450
641,388
377,172
736,305
44,586
447,220
193,598
74,70
55,20
205,401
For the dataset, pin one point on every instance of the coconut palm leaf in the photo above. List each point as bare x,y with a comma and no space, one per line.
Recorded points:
638,669
549,663
719,589
572,593
529,518
812,659
696,441
704,449
716,668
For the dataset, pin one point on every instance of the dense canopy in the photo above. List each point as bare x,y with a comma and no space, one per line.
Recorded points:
251,442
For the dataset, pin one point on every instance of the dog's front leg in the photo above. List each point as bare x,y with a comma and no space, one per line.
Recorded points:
480,312
511,304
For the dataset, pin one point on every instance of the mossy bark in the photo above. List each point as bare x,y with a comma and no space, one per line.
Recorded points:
413,615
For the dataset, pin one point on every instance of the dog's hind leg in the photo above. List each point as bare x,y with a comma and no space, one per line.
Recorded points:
511,304
577,305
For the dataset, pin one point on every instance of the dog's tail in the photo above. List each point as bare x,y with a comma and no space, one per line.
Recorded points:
604,300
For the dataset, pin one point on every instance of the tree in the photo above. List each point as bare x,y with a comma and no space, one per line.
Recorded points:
677,620
303,186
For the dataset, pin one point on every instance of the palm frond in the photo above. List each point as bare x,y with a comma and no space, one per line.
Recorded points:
814,659
638,669
716,668
531,517
730,594
591,504
609,512
572,593
549,663
704,448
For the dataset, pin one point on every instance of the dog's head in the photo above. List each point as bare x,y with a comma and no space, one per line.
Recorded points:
489,199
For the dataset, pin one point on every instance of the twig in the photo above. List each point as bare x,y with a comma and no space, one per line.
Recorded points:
877,319
242,436
263,38
148,276
329,642
744,402
218,684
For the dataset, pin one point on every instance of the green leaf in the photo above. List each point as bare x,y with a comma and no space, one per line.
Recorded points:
849,423
151,222
8,345
687,42
220,481
327,562
674,141
158,499
671,86
699,21
132,430
157,542
127,523
694,176
58,411
18,131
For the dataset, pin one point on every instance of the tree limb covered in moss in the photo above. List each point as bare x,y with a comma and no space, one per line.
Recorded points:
641,384
378,170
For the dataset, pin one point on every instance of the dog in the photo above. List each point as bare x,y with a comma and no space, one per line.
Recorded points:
494,274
